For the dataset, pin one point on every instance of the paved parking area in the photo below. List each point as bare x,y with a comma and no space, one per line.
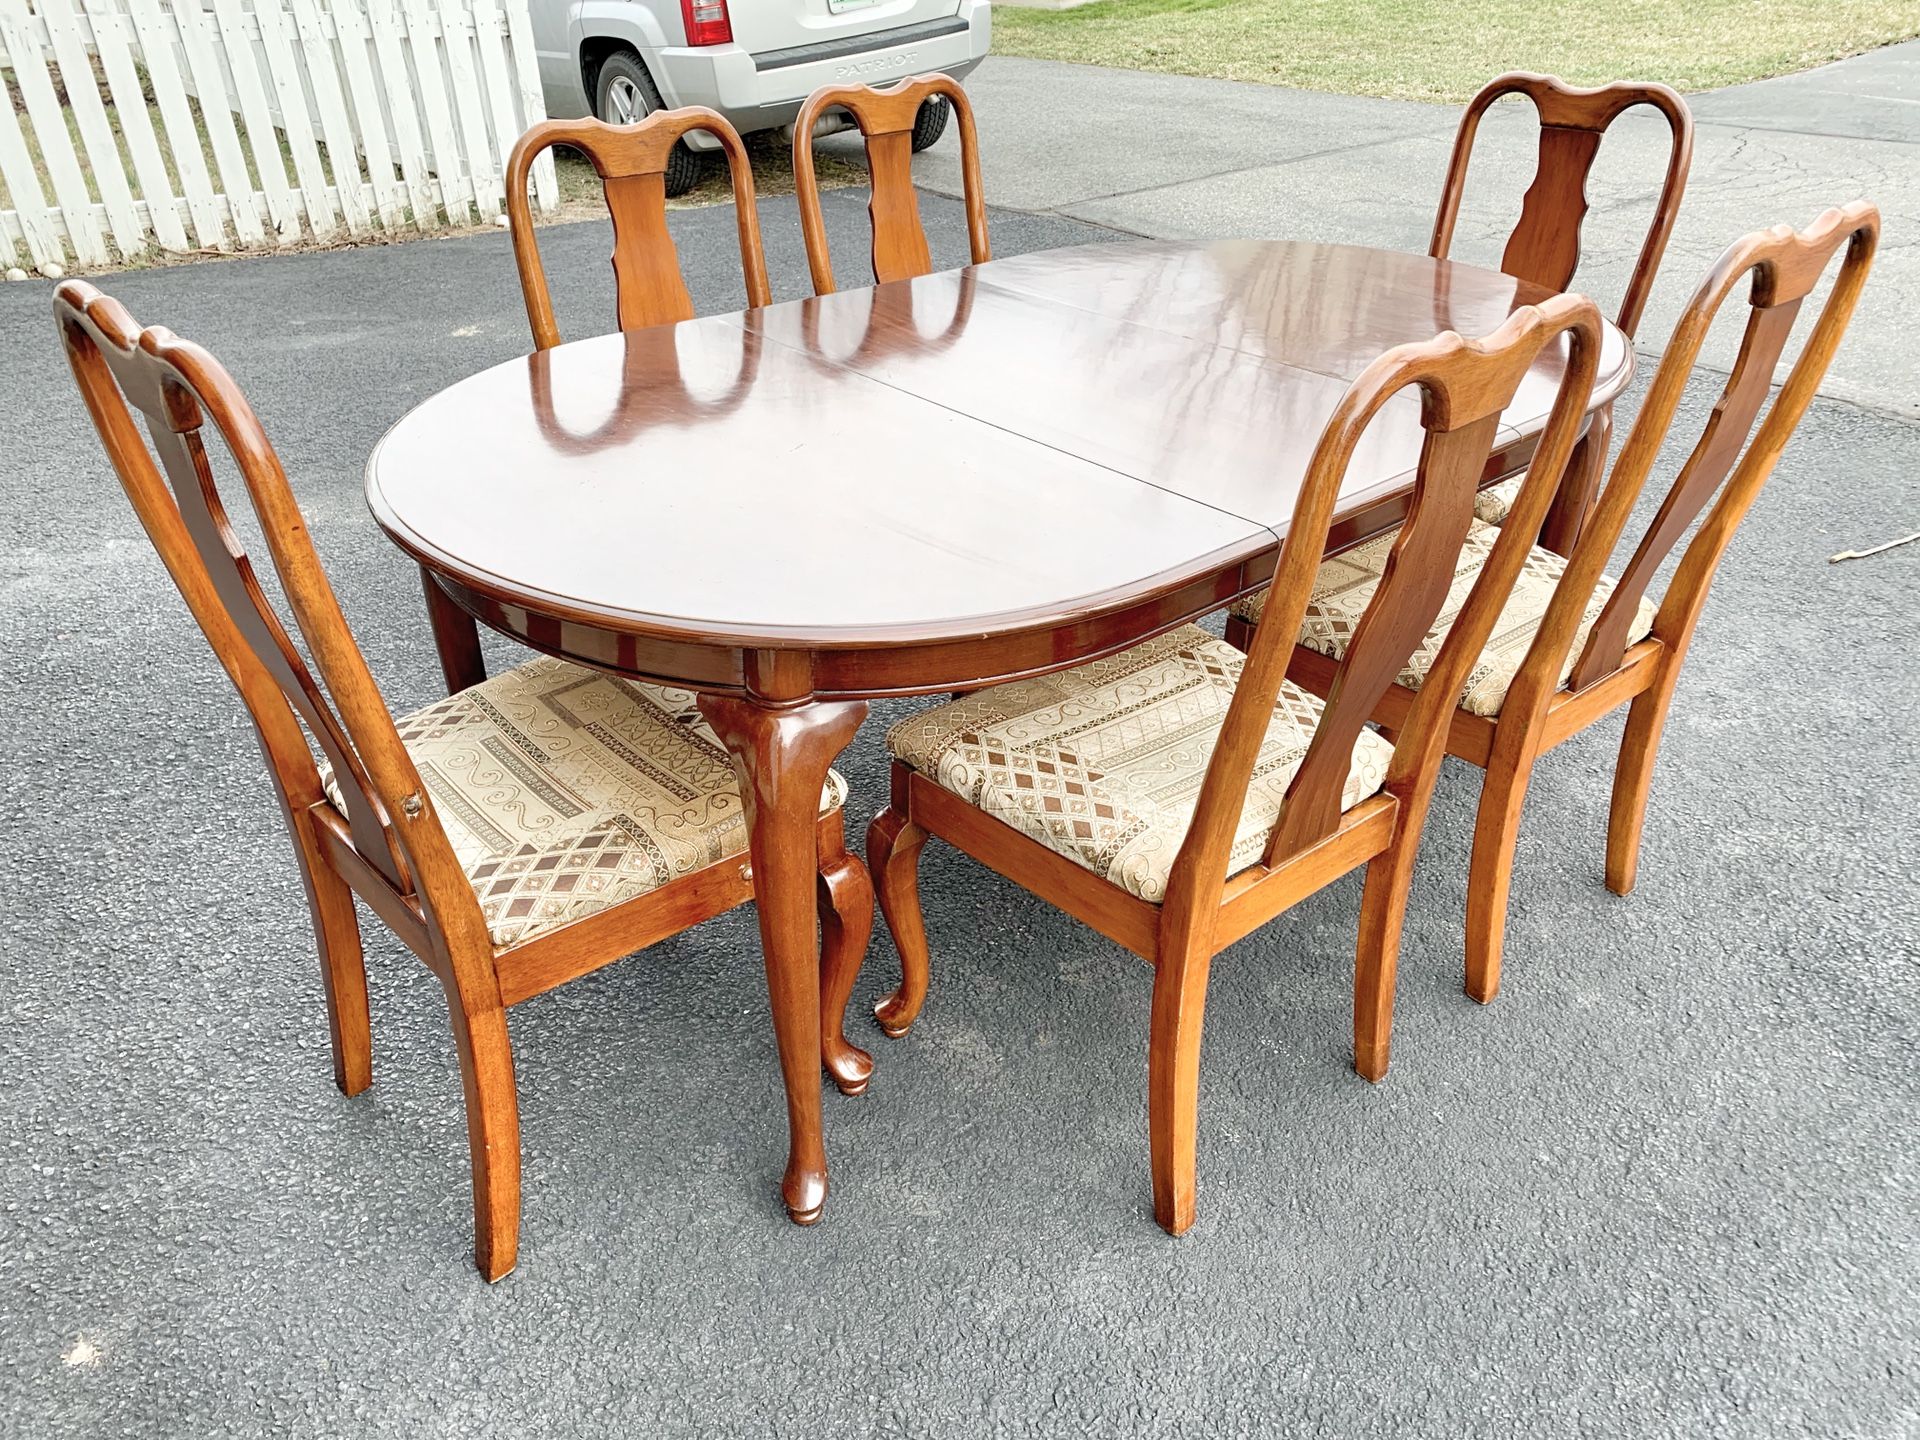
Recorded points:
1664,1186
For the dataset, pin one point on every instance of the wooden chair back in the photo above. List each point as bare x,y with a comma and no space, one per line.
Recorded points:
885,118
631,161
331,704
1464,385
1545,245
1785,266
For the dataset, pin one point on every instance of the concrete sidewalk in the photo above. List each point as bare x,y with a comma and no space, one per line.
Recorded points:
1170,156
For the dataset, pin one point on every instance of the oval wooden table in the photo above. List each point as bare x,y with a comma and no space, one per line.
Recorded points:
925,486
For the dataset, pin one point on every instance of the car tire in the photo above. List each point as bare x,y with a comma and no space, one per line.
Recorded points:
931,123
623,94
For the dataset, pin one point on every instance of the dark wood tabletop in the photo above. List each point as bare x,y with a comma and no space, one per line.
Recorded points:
927,485
957,455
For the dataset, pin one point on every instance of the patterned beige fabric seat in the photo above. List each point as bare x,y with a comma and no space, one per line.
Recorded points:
1103,763
1347,583
1493,504
565,791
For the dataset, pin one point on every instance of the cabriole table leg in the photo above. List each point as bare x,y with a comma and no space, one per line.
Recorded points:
781,753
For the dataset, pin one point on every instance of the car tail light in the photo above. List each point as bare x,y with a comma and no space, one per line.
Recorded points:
707,22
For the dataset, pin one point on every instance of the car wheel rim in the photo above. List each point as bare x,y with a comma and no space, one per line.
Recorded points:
624,103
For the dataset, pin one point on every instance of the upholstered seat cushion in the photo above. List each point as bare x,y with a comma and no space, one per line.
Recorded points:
565,791
1103,763
1347,582
1493,504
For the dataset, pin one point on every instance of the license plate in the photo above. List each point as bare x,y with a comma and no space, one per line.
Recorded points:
840,7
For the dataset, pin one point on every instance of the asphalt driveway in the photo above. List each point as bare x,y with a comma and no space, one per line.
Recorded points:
1665,1185
1174,157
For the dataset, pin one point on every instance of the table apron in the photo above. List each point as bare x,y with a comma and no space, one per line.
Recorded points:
872,671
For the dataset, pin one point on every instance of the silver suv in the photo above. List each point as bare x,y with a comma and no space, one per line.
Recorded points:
752,60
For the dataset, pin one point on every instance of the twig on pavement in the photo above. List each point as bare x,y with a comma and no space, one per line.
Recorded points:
1863,554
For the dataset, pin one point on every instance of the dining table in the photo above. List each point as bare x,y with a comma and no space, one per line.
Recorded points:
920,487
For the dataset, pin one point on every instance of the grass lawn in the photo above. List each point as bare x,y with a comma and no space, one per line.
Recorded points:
1446,49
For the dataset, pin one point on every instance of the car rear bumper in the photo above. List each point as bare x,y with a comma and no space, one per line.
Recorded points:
765,91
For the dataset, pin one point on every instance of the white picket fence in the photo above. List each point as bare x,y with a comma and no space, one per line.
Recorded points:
391,114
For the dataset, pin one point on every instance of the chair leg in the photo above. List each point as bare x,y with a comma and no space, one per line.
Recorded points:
1580,487
1239,633
846,924
1633,780
1376,968
456,636
1173,1083
1496,831
343,970
493,1134
893,855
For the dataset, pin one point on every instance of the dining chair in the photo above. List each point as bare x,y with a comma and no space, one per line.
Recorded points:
1178,795
1574,644
1544,247
885,119
514,836
631,161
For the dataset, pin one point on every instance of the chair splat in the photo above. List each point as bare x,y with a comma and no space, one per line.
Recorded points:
1545,244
